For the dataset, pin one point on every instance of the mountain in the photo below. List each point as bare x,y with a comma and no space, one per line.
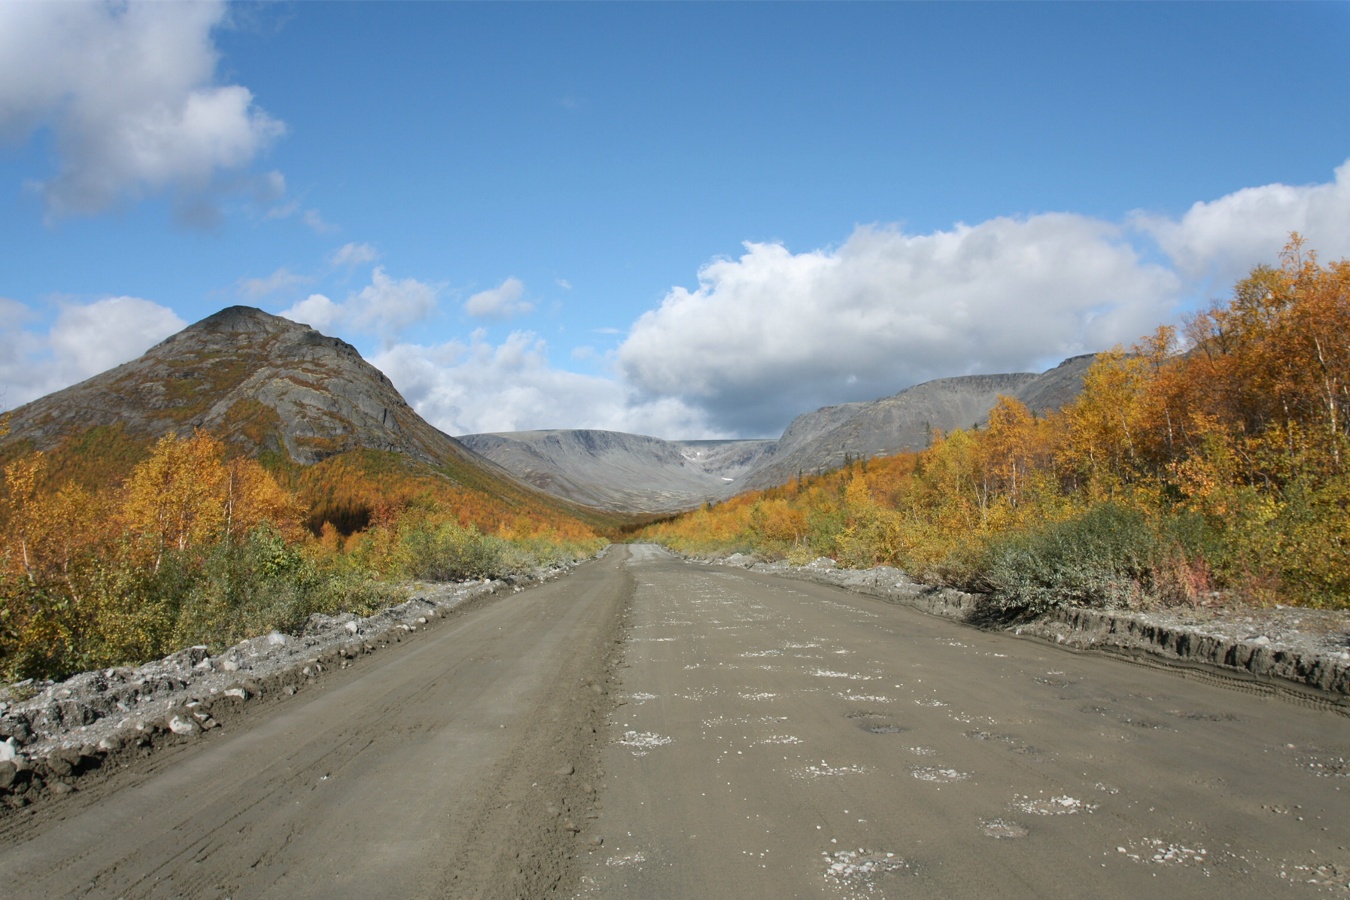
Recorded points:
259,381
307,404
635,473
824,439
623,472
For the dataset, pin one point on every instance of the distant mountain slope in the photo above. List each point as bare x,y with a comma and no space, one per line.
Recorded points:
625,472
634,473
821,440
272,388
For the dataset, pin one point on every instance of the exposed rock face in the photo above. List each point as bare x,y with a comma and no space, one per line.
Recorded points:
645,474
259,380
626,472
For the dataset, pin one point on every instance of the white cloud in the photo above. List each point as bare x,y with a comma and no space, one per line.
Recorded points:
501,302
466,388
775,333
129,91
1222,239
85,339
353,254
385,307
282,279
317,223
317,311
388,305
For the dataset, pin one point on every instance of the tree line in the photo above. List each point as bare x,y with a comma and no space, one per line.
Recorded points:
1204,464
201,545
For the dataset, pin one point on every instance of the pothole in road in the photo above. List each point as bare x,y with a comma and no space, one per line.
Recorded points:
1164,853
1002,829
830,673
937,774
859,871
1052,806
642,741
1014,745
866,714
825,770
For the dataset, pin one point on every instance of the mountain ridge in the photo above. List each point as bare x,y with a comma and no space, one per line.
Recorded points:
643,474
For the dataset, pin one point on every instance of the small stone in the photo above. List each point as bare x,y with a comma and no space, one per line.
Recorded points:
8,772
229,665
183,725
60,787
352,627
595,840
567,770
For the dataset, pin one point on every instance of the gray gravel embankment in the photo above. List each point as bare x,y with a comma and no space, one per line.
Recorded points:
53,733
1284,649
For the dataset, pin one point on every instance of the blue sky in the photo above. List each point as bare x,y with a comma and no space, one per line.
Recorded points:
688,220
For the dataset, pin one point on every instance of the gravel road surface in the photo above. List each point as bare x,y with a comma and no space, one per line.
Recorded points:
783,739
453,766
652,728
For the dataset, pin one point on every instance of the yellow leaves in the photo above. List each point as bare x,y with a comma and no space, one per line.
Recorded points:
187,494
173,499
24,512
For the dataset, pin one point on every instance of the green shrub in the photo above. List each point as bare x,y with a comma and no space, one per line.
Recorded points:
1104,558
450,552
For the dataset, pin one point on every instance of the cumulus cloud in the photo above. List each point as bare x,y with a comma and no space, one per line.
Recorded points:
774,333
128,91
1220,240
502,302
85,339
475,386
384,308
318,312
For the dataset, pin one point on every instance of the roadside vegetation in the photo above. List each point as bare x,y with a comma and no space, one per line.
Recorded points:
1203,467
201,546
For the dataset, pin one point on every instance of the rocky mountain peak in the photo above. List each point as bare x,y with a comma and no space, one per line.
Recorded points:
262,382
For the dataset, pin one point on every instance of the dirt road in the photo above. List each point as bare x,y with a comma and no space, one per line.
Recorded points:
451,766
773,738
783,739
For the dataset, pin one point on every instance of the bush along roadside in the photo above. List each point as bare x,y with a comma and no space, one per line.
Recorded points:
52,734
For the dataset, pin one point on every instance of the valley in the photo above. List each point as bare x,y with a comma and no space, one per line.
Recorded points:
639,474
